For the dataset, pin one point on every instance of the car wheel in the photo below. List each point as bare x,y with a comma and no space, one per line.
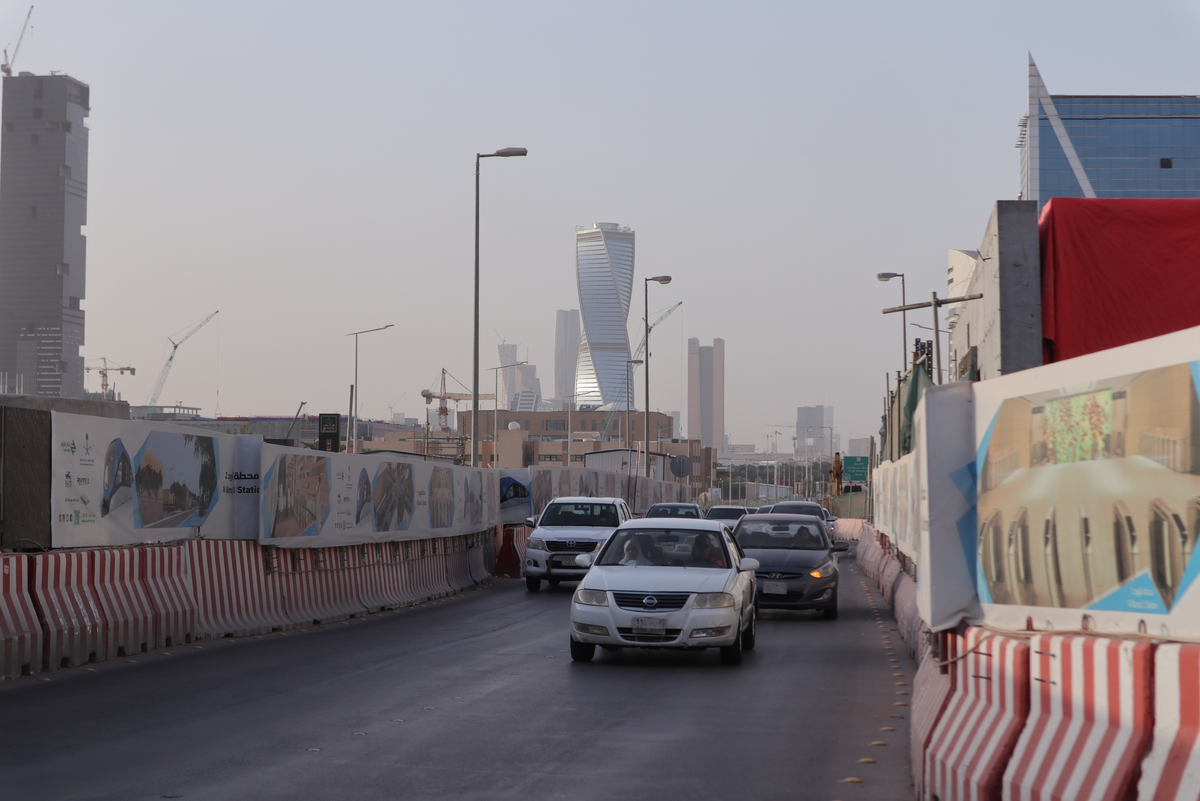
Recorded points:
533,584
830,610
732,654
582,651
751,632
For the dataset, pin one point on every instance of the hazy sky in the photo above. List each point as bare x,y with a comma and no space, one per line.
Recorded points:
307,168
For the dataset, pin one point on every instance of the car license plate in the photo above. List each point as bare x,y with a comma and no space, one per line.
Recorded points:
649,625
774,588
568,560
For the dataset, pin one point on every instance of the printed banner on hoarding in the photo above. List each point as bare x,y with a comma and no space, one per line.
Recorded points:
312,499
1089,491
120,482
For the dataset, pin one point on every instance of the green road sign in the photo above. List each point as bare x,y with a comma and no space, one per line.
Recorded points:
854,468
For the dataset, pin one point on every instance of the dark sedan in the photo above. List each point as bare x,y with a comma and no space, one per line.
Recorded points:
798,564
807,508
688,510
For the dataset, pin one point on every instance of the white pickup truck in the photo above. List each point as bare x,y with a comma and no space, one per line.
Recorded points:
566,528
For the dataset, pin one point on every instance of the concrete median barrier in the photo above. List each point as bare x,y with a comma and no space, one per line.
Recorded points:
68,610
1089,719
978,729
20,631
128,613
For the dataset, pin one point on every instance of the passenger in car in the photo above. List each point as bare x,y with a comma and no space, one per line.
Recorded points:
633,555
703,554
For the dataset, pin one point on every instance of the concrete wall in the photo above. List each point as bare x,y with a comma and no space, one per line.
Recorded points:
1004,327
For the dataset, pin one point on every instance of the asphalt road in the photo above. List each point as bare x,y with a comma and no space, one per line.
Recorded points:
474,697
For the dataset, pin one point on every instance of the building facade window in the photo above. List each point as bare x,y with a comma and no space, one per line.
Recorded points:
550,457
554,425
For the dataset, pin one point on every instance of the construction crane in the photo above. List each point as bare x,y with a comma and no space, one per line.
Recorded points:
162,377
443,396
103,369
6,67
641,348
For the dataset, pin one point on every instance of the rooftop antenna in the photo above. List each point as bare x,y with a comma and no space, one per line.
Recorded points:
6,67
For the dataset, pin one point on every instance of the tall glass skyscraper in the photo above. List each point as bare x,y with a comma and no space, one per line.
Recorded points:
1108,146
604,273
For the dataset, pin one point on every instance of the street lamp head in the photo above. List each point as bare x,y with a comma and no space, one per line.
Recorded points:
506,152
660,279
889,276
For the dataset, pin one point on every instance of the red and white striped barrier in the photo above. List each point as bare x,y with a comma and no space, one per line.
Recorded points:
1089,719
888,574
980,724
234,596
372,573
908,619
68,609
128,614
1171,771
931,690
315,588
20,631
848,528
166,576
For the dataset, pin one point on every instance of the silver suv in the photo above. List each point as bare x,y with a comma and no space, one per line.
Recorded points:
566,528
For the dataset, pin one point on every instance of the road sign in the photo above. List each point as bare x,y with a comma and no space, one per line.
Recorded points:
681,466
328,432
854,468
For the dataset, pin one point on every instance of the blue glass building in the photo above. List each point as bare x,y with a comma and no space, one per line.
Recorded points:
1108,146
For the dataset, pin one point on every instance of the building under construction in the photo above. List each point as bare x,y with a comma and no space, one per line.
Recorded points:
43,205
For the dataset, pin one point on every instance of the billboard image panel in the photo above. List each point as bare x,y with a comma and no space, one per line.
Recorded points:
1089,497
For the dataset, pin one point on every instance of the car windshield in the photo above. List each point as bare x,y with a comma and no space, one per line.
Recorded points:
814,509
665,548
728,513
673,511
580,514
797,536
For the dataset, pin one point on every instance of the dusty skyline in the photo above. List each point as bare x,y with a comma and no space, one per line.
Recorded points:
307,169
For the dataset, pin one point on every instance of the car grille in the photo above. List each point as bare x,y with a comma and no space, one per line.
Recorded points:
670,636
663,601
773,576
571,546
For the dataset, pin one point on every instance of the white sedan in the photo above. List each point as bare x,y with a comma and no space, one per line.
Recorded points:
666,583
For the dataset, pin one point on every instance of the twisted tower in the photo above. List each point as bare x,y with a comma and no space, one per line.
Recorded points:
604,272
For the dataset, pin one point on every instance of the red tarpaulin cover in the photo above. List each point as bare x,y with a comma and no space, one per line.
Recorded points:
1117,271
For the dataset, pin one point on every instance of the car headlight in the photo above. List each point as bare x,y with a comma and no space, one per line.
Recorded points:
537,543
713,600
591,597
822,571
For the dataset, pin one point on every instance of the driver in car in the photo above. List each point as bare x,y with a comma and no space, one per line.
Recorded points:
703,553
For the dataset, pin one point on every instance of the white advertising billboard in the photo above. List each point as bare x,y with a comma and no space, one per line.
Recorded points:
1089,491
120,482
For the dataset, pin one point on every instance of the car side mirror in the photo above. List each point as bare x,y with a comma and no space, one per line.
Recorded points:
748,565
841,545
531,522
583,560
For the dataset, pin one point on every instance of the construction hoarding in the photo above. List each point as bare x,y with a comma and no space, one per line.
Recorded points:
118,482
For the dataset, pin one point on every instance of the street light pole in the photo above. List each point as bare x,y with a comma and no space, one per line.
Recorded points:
904,317
658,279
354,412
496,406
503,153
629,367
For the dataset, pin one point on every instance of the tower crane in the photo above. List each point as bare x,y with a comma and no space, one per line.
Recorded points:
162,377
6,67
103,368
443,396
641,348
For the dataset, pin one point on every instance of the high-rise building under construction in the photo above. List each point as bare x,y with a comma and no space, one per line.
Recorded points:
43,205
